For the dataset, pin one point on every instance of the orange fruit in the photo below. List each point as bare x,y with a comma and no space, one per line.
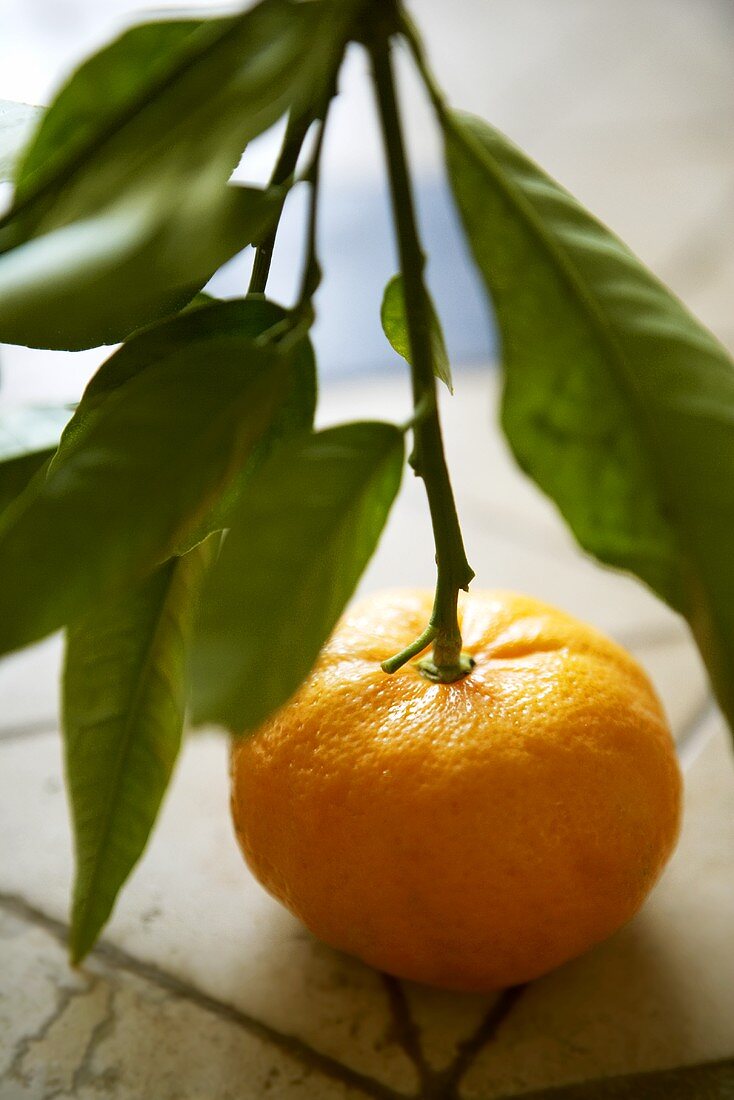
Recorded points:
469,835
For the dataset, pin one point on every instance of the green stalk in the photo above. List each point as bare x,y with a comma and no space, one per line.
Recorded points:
311,278
284,168
428,461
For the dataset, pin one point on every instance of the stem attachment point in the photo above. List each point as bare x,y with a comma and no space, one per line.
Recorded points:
444,674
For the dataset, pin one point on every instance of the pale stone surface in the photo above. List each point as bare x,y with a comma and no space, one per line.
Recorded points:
444,1020
109,1032
29,688
658,994
712,297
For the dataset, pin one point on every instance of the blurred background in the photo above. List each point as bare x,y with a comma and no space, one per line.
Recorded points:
630,104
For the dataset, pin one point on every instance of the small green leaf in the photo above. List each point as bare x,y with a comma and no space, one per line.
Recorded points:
16,124
304,530
122,208
139,467
124,693
395,327
617,402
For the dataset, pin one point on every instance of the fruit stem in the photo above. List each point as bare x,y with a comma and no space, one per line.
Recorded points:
427,458
285,166
311,277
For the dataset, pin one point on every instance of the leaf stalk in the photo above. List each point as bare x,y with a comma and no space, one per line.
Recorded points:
285,166
427,459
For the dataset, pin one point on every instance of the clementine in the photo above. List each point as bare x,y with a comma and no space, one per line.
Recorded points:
470,835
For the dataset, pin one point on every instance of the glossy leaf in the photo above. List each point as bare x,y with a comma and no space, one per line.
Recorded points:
247,318
123,209
395,327
16,124
295,415
303,532
617,402
95,280
124,693
136,471
105,93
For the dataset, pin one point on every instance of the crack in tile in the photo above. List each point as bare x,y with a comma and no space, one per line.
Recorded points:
83,1074
481,1038
64,997
119,959
444,1084
404,1029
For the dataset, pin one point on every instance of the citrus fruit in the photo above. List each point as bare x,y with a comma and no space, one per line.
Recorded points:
469,835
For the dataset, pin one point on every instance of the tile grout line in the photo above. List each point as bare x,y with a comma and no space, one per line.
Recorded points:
443,1084
119,959
64,997
29,729
404,1029
482,1037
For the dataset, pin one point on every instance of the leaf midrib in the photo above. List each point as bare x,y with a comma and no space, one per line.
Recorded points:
142,678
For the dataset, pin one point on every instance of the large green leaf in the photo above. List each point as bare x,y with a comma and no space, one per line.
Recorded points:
304,530
124,694
616,401
248,318
134,475
105,93
122,208
95,280
395,327
16,123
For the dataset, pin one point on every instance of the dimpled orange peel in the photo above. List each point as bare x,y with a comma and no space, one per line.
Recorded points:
469,835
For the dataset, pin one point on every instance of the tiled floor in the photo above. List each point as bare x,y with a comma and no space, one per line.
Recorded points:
204,987
196,937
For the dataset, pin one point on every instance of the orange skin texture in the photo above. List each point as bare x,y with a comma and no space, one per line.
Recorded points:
469,835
